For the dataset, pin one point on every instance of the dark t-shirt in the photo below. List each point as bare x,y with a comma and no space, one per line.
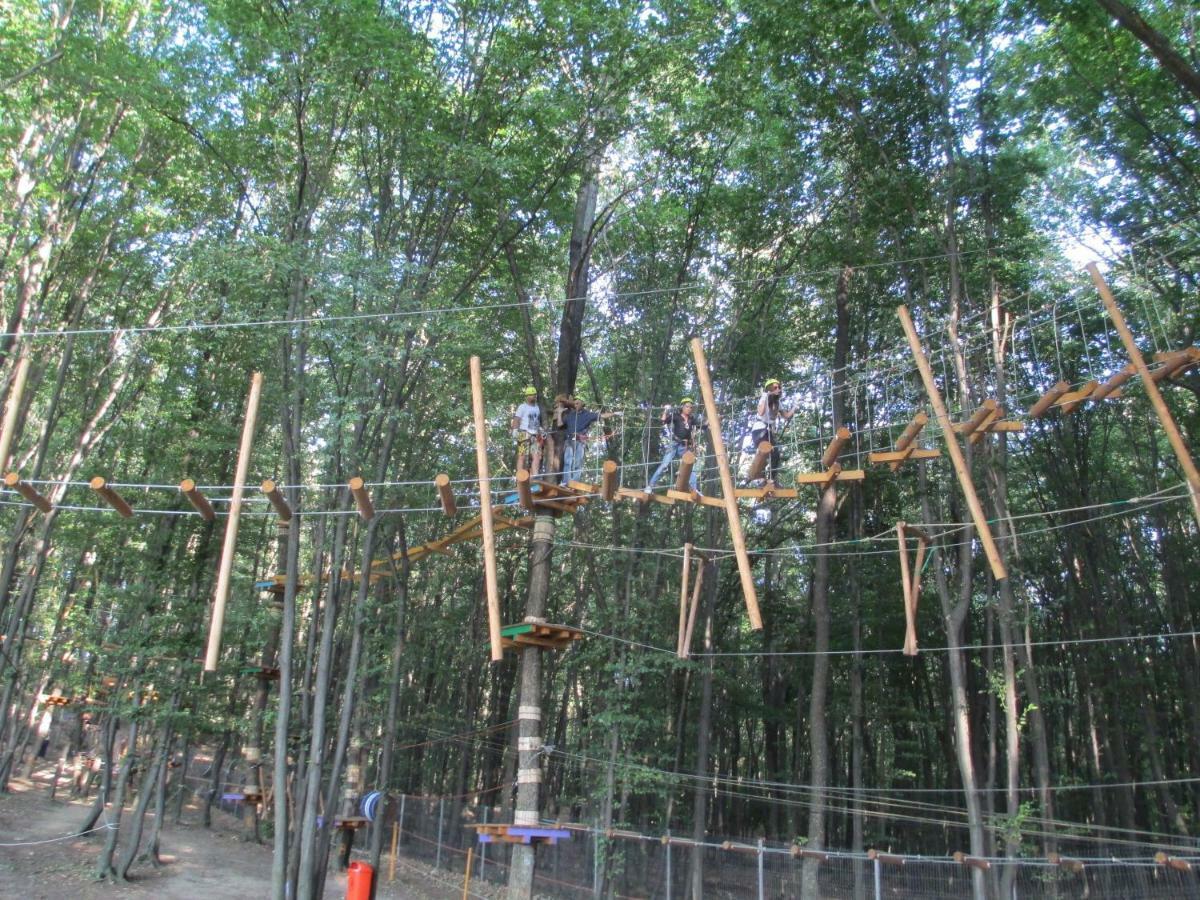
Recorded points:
682,429
579,422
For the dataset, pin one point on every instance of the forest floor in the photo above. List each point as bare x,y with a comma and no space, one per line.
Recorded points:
214,863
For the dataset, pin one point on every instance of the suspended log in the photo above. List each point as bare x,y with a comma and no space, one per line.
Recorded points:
362,498
608,481
524,493
1182,453
1174,363
910,579
111,497
1065,862
1048,399
749,592
13,481
12,406
761,454
693,607
834,450
1071,401
956,455
282,509
912,429
1171,862
683,597
973,862
445,493
188,488
886,859
485,510
989,410
683,479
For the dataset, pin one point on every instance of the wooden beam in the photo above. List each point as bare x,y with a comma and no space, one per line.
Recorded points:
973,862
278,502
485,510
445,493
822,478
767,493
705,500
731,507
910,613
761,454
1048,399
608,480
1112,387
1182,453
631,494
912,429
834,450
13,481
989,423
524,492
895,457
187,487
1173,363
683,479
683,597
693,608
111,497
12,407
1071,401
229,547
362,498
952,447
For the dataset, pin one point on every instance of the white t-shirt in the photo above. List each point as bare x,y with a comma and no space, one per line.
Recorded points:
529,417
771,416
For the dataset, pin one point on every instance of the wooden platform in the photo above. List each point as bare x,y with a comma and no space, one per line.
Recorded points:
537,634
266,673
350,823
520,834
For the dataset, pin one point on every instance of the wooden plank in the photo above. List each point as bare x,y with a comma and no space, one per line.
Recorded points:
834,450
749,592
766,493
485,509
705,500
228,548
1048,399
582,487
1182,453
822,478
682,496
956,453
631,494
894,457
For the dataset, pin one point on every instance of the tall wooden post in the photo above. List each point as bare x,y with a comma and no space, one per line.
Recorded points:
221,595
952,447
731,509
683,596
485,511
15,393
1156,399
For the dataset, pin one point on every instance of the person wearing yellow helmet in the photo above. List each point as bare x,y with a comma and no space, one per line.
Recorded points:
682,427
526,427
766,422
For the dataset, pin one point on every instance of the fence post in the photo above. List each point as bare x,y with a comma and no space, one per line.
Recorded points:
761,885
878,880
437,862
596,862
668,864
400,833
483,850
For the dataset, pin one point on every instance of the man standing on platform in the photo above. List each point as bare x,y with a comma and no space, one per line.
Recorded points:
576,422
767,420
526,427
682,427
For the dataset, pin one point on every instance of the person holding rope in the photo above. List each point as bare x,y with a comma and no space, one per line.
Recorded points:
526,432
683,428
576,422
767,422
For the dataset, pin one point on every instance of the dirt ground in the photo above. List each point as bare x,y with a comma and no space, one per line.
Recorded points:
214,864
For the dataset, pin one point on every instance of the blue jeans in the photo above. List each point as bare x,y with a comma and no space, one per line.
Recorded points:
573,459
675,450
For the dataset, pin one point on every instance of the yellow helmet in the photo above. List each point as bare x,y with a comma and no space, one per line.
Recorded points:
530,391
770,383
686,400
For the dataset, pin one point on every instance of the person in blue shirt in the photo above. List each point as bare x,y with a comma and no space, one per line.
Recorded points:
683,428
576,422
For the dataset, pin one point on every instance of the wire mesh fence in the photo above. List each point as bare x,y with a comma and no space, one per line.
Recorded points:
627,864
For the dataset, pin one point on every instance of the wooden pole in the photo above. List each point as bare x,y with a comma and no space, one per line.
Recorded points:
485,511
362,497
467,873
683,596
684,478
445,493
1156,399
111,497
695,604
221,594
910,616
395,841
731,509
952,447
608,481
13,407
282,509
187,487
